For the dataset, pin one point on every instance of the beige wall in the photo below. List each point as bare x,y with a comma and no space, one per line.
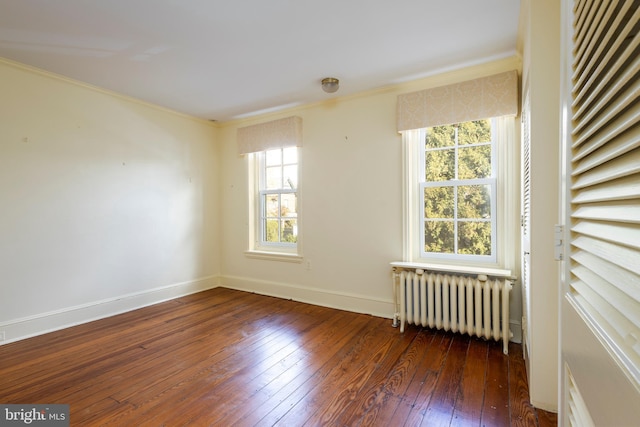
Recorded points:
351,202
106,203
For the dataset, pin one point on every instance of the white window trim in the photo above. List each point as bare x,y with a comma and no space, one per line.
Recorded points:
507,192
257,250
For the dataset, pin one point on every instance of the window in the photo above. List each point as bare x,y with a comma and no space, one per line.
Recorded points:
273,165
461,194
278,198
458,191
274,234
460,181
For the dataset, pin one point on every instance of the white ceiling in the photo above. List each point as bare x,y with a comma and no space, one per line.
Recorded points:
221,60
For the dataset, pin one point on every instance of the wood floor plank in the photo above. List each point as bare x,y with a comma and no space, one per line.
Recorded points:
276,356
410,373
200,397
65,339
383,383
212,371
127,374
225,357
434,361
148,364
335,386
495,411
355,400
287,375
381,412
93,413
468,407
445,394
135,333
546,419
276,402
522,412
411,365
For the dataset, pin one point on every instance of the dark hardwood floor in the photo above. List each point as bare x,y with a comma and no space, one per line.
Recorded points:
224,357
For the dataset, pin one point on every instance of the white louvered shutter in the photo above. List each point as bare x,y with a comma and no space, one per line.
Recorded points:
605,173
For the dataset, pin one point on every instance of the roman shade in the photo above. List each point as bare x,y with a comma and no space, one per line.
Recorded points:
280,133
491,96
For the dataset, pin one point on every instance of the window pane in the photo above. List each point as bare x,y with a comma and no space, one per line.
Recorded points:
438,202
271,205
289,205
271,230
438,236
278,207
474,162
474,238
289,230
458,189
474,132
274,178
440,165
290,155
440,136
290,177
273,157
474,201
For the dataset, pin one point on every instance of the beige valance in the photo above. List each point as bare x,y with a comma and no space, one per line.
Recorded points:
492,96
280,133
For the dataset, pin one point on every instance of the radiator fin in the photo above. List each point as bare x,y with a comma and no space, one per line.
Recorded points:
468,304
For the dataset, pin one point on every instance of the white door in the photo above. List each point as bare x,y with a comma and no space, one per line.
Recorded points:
600,297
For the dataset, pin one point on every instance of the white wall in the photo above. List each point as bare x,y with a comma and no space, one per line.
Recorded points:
541,69
349,206
351,202
106,204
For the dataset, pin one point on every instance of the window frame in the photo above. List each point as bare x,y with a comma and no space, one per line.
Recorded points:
258,246
491,181
505,160
263,192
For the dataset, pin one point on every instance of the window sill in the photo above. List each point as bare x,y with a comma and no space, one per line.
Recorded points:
274,256
493,272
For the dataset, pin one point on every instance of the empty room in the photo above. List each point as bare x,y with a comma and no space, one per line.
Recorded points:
306,213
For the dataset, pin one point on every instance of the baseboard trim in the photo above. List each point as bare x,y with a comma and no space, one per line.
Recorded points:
332,299
19,329
516,330
27,327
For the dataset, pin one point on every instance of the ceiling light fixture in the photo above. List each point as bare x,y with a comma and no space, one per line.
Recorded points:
330,84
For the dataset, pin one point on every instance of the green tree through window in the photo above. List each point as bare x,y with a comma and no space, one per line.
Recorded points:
458,190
